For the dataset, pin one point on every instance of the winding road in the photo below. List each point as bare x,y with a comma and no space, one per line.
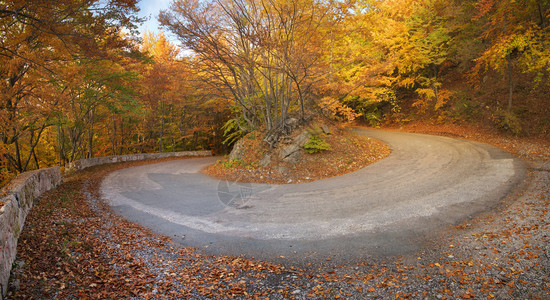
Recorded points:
393,207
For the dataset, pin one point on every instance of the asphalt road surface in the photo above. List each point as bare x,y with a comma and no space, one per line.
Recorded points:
393,207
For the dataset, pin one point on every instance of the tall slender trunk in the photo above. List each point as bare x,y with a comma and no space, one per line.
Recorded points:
161,137
434,85
113,141
91,135
300,95
510,83
288,98
267,99
61,145
18,164
31,149
541,14
121,146
33,142
35,159
331,69
283,103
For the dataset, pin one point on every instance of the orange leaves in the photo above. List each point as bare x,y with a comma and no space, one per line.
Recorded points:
159,47
514,38
337,109
44,59
484,7
408,46
117,259
468,295
263,55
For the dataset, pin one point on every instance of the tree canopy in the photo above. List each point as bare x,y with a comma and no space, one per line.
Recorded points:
77,82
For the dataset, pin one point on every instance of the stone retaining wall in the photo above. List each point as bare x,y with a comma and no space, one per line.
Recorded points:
17,199
90,162
18,196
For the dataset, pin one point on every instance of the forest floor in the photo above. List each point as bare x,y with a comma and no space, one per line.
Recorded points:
73,246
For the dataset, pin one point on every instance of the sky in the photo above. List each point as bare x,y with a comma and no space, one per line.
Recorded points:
151,9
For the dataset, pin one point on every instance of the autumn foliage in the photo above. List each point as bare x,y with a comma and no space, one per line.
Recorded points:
77,81
76,84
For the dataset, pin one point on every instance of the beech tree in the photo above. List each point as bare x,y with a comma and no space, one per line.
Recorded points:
517,30
160,79
179,112
92,90
358,71
262,54
73,82
37,39
414,37
386,47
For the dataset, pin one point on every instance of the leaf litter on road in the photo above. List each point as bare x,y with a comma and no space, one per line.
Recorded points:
73,246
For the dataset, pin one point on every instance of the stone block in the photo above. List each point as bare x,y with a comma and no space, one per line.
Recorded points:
302,138
238,151
266,160
288,151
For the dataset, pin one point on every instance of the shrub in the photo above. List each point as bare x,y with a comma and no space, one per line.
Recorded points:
373,118
316,144
508,121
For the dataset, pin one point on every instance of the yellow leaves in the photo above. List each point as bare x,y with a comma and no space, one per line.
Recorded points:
337,109
385,81
158,46
443,97
432,94
512,31
407,82
426,93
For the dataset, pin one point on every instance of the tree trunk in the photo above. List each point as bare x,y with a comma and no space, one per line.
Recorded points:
113,141
17,164
32,144
35,159
61,145
121,146
510,83
161,135
331,67
541,14
91,135
434,85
